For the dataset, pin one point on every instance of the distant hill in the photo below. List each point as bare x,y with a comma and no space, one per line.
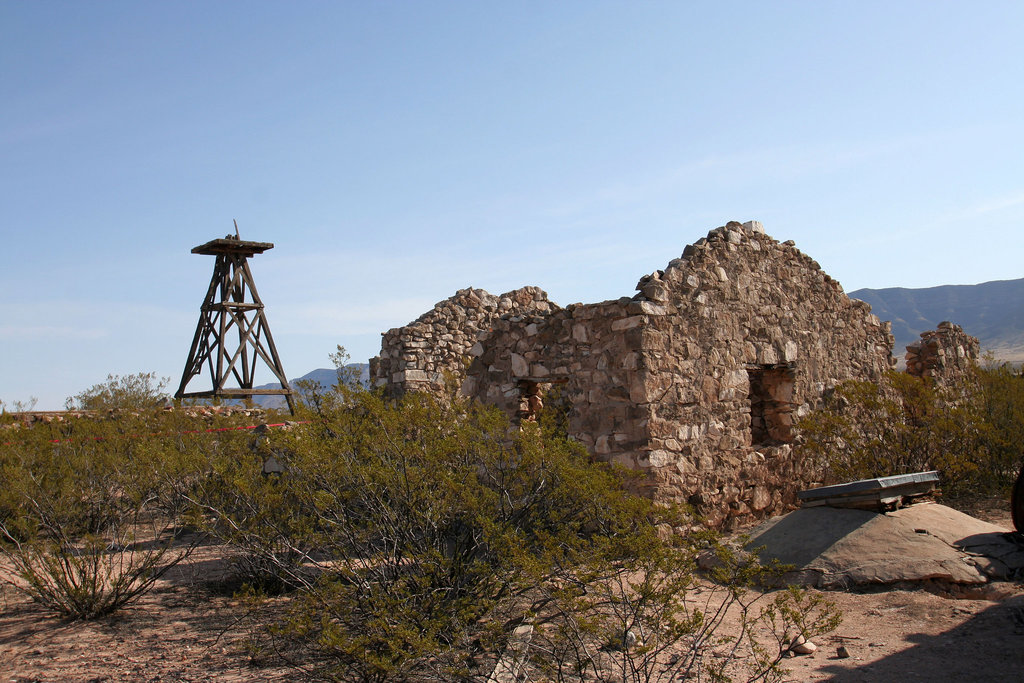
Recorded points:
991,311
327,377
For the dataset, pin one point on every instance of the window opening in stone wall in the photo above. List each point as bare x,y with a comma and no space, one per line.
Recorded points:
533,394
771,404
531,400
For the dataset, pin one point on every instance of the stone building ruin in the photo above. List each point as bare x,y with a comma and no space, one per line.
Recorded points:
696,380
946,354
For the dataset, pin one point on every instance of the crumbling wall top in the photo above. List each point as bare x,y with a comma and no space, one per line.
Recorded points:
420,354
946,354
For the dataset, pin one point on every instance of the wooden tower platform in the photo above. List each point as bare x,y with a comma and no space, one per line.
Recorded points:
232,336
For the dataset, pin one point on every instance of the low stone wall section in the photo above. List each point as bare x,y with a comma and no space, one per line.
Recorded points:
419,356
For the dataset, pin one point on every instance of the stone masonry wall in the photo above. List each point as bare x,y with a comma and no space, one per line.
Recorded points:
662,382
588,354
419,355
946,354
695,381
768,332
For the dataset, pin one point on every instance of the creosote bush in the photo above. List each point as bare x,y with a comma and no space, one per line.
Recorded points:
417,535
970,432
90,506
417,539
139,391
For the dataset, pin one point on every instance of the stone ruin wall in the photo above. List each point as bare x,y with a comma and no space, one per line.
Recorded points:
588,356
417,357
661,382
760,333
946,354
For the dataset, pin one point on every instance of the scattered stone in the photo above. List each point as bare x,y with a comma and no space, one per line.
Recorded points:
510,666
626,641
802,646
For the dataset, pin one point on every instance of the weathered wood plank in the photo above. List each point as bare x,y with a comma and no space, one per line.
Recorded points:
226,245
236,393
883,492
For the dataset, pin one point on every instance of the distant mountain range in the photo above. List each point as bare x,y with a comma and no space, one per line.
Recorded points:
326,377
991,311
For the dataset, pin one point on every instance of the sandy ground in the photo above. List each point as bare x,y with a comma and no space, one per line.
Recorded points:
179,631
182,632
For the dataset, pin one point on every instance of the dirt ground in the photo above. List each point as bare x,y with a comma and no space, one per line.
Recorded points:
183,632
179,631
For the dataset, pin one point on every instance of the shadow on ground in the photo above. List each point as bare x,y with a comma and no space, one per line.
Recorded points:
988,647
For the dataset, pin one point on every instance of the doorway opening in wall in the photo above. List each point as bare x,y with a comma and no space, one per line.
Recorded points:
771,404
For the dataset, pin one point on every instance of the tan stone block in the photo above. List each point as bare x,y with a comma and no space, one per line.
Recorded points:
730,493
685,466
638,392
730,441
647,308
626,323
709,389
736,379
738,509
656,458
766,355
655,291
624,459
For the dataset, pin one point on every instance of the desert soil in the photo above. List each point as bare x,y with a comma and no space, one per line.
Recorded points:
181,631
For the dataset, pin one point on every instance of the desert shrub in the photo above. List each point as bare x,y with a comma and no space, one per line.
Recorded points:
16,406
418,534
653,619
139,391
258,515
969,432
1001,399
90,506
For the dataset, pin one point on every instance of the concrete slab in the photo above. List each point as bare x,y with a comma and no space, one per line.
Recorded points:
839,548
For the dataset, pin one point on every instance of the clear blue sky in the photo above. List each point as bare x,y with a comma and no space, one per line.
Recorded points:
397,151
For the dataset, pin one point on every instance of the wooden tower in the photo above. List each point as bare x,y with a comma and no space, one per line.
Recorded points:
233,334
